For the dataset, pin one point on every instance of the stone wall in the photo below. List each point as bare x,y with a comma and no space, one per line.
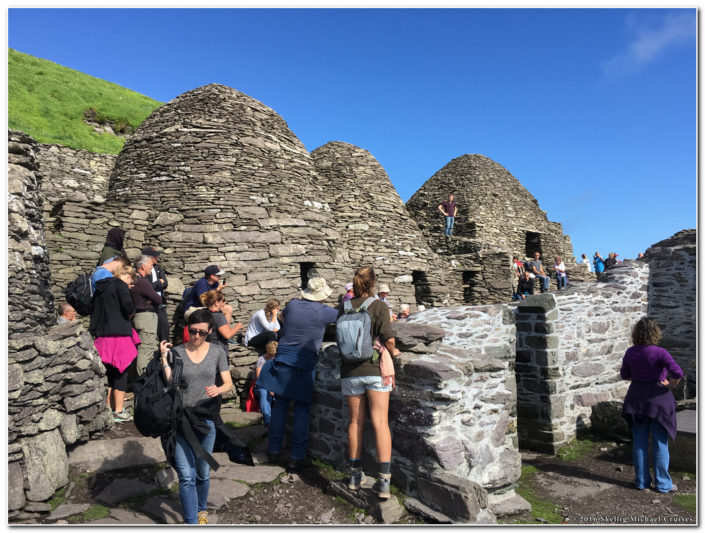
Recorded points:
56,393
452,415
673,302
569,351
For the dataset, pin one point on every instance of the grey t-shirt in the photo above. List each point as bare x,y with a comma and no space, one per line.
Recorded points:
215,336
201,375
537,265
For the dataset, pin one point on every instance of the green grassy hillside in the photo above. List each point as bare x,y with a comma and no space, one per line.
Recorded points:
50,103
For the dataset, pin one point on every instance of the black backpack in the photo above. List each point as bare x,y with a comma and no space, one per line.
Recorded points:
158,403
79,294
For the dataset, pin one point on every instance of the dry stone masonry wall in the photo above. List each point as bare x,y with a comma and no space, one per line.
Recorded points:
56,393
452,415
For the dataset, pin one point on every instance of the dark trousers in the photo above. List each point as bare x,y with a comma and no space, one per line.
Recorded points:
162,325
261,340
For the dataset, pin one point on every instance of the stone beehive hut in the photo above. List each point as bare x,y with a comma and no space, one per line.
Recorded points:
224,181
497,218
375,228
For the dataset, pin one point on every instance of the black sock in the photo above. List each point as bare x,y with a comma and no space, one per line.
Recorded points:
385,468
354,463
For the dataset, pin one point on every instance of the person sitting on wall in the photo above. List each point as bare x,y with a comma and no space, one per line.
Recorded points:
404,312
537,269
146,301
561,276
349,295
598,263
211,280
66,313
526,286
262,331
518,272
449,210
382,297
611,260
114,242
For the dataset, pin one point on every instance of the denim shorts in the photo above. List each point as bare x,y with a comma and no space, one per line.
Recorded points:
356,385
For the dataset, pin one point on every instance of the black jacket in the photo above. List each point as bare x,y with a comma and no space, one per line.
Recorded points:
112,308
158,285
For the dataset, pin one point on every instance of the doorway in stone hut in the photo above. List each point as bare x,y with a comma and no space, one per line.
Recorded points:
533,243
307,270
469,283
422,290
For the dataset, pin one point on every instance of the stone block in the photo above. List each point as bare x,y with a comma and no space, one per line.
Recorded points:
429,515
385,511
584,370
456,497
431,371
46,465
408,334
74,403
15,487
449,451
15,379
121,489
539,303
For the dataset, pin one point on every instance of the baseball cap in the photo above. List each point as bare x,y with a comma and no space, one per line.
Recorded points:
349,287
151,251
213,270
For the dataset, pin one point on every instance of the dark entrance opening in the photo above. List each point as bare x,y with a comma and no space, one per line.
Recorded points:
422,290
469,283
533,243
308,270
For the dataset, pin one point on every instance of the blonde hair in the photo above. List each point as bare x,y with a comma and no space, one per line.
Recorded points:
125,270
269,307
210,298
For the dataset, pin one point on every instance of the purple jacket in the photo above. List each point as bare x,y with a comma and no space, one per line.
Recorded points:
647,366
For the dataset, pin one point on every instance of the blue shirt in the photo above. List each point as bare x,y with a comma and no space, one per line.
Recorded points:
304,323
100,273
200,287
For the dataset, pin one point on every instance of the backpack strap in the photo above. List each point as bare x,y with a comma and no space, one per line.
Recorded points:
347,307
366,304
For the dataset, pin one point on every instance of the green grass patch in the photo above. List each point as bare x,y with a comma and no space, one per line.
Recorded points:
686,501
58,498
93,513
328,471
541,510
575,449
51,103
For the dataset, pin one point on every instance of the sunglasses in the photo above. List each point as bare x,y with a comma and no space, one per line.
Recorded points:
200,332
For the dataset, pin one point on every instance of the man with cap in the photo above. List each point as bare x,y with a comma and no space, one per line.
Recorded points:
159,284
210,281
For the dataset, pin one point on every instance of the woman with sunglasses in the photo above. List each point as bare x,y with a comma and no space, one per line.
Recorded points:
204,364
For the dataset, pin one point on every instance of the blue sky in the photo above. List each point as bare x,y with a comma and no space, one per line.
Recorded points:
592,110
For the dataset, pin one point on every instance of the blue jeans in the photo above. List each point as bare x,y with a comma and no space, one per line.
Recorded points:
265,403
545,282
562,281
449,225
640,455
277,427
194,474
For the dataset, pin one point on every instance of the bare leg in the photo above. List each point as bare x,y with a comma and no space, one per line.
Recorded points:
379,409
109,399
356,407
118,400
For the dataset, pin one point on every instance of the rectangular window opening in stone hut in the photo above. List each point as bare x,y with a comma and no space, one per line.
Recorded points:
533,243
308,270
469,283
422,291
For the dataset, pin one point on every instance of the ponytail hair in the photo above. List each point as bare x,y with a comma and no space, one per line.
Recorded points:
210,298
364,282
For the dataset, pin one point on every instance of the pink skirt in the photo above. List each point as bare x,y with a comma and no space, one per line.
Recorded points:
117,351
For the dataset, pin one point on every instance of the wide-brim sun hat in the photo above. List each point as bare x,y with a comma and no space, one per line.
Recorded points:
316,290
383,288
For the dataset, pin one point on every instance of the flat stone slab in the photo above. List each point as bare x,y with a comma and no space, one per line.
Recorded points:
425,512
509,504
126,516
247,474
687,421
166,478
240,417
123,488
570,487
113,454
164,509
68,509
221,491
385,511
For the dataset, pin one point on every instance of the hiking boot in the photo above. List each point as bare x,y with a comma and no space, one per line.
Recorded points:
202,517
381,486
357,478
122,416
271,348
273,458
297,465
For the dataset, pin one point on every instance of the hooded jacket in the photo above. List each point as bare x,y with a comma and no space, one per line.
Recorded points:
112,308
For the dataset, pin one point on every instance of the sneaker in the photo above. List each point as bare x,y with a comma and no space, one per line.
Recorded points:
122,416
202,517
357,478
381,486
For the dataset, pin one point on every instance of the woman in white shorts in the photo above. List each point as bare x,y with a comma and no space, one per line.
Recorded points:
370,382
